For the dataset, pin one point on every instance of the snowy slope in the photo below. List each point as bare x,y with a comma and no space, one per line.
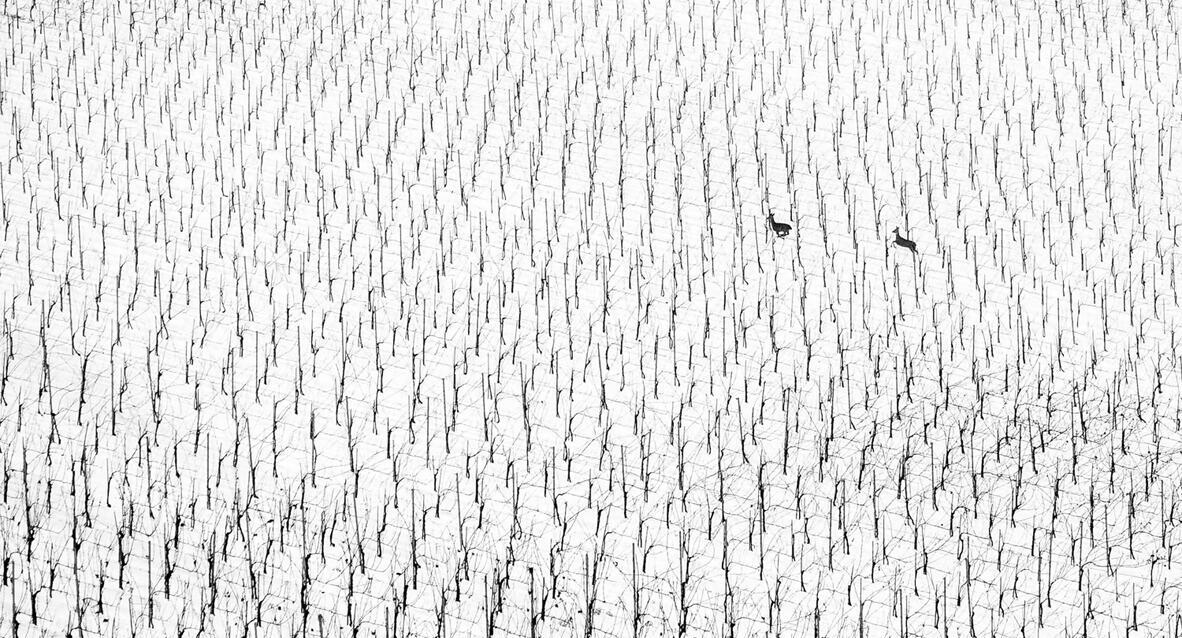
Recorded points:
464,319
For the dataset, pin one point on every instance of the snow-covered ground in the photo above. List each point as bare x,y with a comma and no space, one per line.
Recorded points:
462,318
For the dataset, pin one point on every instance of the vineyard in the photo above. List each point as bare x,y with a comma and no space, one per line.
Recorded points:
571,318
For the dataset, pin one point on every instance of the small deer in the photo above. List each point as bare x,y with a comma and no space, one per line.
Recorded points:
904,242
779,228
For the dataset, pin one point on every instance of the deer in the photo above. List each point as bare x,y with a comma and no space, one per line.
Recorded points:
779,228
904,242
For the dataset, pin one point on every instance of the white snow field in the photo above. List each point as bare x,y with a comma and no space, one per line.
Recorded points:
464,319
